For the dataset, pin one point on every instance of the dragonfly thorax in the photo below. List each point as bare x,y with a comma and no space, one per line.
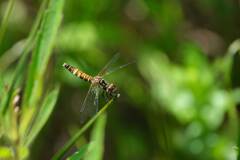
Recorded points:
96,80
110,88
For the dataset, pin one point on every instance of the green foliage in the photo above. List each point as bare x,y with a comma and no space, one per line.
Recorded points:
178,101
79,133
20,126
197,100
20,69
93,150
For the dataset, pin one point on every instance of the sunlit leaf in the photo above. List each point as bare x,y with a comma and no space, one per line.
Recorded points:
5,152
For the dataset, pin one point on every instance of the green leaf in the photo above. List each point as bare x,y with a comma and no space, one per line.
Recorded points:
43,115
96,147
70,143
79,154
42,52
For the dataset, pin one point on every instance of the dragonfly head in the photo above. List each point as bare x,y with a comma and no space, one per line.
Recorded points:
113,91
118,95
115,94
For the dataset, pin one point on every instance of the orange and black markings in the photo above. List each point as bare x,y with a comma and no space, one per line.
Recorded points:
78,73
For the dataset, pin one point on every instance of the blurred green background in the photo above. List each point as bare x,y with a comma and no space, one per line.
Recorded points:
178,100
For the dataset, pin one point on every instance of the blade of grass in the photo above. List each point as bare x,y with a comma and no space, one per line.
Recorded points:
95,149
6,19
79,154
42,116
70,143
235,83
229,60
233,64
42,52
19,72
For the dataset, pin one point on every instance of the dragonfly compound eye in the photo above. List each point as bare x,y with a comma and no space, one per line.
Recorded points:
113,91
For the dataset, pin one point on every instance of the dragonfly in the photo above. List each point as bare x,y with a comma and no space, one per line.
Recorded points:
98,86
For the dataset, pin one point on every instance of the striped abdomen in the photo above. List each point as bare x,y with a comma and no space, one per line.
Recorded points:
78,73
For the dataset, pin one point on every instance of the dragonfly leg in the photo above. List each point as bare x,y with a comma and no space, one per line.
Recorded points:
106,97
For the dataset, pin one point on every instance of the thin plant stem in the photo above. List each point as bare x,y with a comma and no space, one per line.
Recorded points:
69,144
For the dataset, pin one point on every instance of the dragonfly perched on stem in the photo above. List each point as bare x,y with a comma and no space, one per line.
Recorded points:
97,87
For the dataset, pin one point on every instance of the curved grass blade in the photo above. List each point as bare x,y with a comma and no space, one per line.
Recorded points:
70,143
95,149
42,116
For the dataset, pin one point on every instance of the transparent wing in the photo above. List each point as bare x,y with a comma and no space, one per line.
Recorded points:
88,96
90,104
114,58
117,68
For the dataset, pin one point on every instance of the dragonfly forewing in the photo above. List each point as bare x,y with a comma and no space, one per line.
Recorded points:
106,67
110,71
